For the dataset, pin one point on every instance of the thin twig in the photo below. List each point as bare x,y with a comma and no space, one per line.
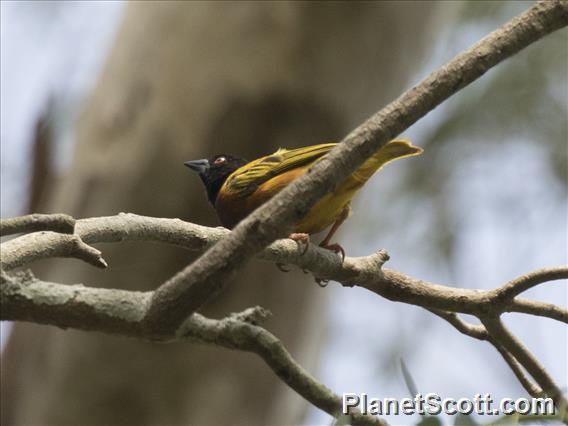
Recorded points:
532,279
62,223
541,309
533,390
244,336
31,247
476,331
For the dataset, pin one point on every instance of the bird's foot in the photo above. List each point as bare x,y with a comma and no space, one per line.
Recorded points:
301,239
336,248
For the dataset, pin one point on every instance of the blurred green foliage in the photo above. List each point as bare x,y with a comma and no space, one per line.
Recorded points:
521,101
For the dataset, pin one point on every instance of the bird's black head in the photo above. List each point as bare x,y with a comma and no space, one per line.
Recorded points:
214,171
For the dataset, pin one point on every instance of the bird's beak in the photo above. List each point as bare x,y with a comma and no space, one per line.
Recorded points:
199,166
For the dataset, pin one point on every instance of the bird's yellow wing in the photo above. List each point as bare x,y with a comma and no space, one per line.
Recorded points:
249,177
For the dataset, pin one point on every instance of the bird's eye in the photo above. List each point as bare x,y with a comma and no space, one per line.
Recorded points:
220,160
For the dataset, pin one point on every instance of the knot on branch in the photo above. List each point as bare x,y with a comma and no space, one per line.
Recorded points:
255,315
85,252
364,269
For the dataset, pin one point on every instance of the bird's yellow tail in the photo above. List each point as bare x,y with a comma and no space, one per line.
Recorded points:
333,205
397,148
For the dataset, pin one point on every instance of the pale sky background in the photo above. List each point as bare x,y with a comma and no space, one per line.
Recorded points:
509,214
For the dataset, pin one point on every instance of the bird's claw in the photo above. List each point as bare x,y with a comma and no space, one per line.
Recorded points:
304,239
336,248
301,238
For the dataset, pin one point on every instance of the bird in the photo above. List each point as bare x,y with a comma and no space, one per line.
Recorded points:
236,187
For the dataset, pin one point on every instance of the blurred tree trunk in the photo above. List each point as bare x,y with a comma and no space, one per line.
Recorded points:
184,81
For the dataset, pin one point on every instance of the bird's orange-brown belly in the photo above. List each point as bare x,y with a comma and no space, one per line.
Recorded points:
322,215
232,208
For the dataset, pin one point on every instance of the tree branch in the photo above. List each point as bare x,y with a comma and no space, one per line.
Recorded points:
366,272
532,389
24,298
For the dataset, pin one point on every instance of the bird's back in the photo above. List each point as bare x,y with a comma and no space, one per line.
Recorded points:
255,183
